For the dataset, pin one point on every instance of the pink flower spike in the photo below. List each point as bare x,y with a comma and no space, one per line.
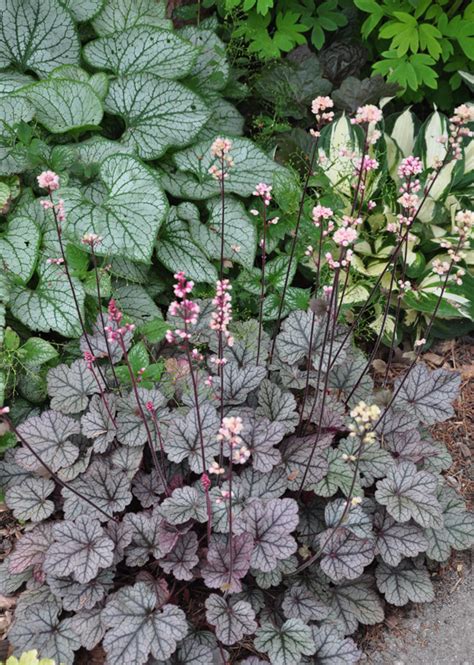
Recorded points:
149,407
89,358
205,482
48,180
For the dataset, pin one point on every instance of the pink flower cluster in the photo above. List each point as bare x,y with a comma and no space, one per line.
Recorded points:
229,431
264,192
89,358
222,315
91,239
409,200
4,410
58,207
48,180
366,114
319,213
185,309
345,236
115,334
463,115
410,166
319,107
365,165
55,262
220,150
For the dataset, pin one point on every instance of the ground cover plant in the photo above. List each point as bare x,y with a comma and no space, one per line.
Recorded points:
259,499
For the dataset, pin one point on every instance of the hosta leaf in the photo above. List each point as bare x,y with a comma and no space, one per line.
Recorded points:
149,537
334,649
408,493
239,382
39,627
50,306
184,504
404,583
457,530
63,105
97,424
211,69
49,436
158,114
395,541
271,485
131,430
19,247
356,602
142,49
285,645
136,628
270,523
277,405
31,549
429,394
183,439
240,235
81,549
300,603
232,618
118,15
182,558
260,436
217,572
88,626
129,214
37,35
107,488
84,10
344,555
75,596
69,387
300,462
29,501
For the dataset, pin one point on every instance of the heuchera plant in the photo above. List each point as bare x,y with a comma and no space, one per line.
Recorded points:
257,502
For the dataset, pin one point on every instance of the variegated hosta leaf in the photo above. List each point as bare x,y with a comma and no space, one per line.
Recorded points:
300,461
158,114
184,504
428,394
332,648
458,526
183,439
88,626
277,405
356,602
271,485
286,644
106,487
217,572
240,381
37,35
75,596
50,437
395,541
29,501
149,536
131,430
344,555
142,49
97,424
81,549
31,549
404,583
136,628
117,15
261,436
39,627
232,618
408,493
211,69
19,247
373,460
129,214
300,603
270,523
182,558
69,387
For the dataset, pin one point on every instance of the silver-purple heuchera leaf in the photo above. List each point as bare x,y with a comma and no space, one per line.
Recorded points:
147,488
429,394
30,550
75,596
339,476
185,503
50,437
277,405
332,648
70,387
301,603
408,493
404,583
182,558
88,626
354,518
270,523
80,465
29,501
286,644
81,549
458,526
183,440
131,430
409,446
220,505
255,484
108,489
98,342
300,461
393,540
344,555
149,537
356,602
240,381
373,460
190,652
261,436
232,618
11,473
274,577
137,628
217,571
98,425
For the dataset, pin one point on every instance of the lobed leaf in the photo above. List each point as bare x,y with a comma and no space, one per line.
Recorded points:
404,583
232,618
285,645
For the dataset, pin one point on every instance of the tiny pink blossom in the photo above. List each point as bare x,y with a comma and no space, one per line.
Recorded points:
410,166
263,191
89,358
366,114
150,407
55,262
4,410
216,469
321,212
48,180
205,482
345,236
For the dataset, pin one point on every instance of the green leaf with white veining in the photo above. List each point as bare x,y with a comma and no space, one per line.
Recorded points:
458,526
11,81
404,583
62,104
285,645
19,247
36,35
130,214
142,49
136,303
356,602
50,306
158,114
118,15
84,10
12,111
211,69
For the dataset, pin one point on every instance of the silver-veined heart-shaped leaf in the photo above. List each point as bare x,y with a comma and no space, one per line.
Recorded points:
408,493
69,387
75,596
270,485
158,114
458,526
182,558
275,577
147,488
339,476
51,305
184,504
261,436
232,618
240,381
88,626
37,35
302,463
345,376
277,405
84,10
131,430
409,446
136,628
373,460
217,571
395,541
97,423
29,501
118,15
344,555
211,69
148,537
142,49
128,216
404,583
220,507
356,602
332,648
62,105
301,603
183,438
285,644
31,549
81,548
19,247
355,520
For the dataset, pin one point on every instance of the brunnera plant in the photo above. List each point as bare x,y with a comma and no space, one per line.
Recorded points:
254,505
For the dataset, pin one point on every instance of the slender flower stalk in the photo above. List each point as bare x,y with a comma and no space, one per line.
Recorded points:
263,191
